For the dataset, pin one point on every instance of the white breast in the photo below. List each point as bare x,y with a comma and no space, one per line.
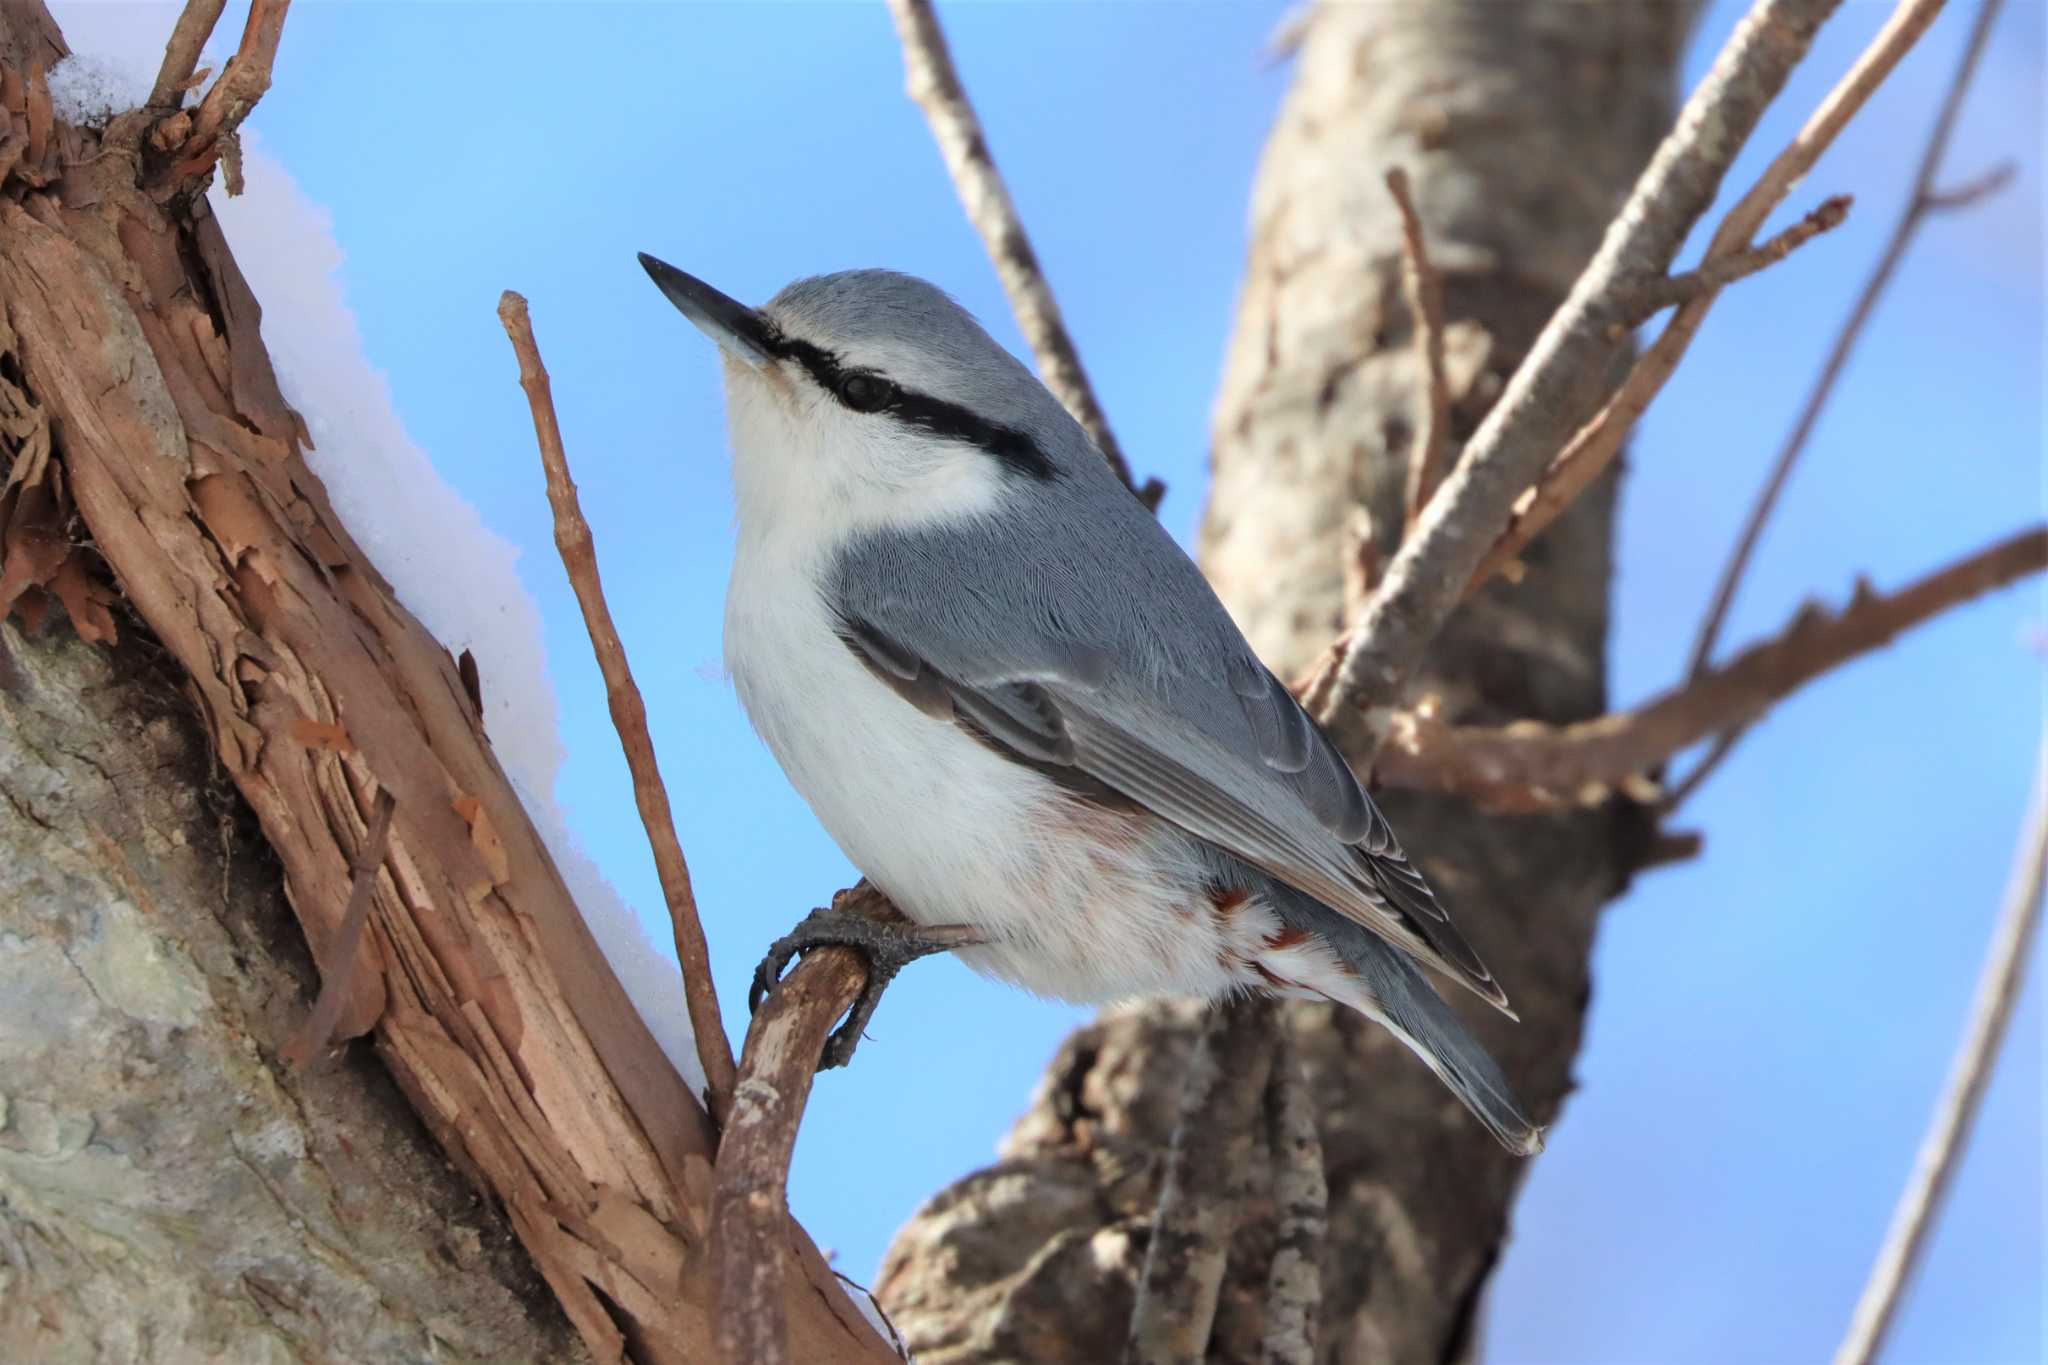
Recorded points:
1078,905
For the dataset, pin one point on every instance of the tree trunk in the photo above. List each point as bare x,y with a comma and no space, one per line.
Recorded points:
1522,128
168,1190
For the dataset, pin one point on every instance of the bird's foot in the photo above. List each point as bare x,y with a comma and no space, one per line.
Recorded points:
888,945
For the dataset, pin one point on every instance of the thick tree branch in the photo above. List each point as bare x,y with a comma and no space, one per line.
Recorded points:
1528,767
1924,200
1550,392
933,83
629,715
1948,1132
1203,1190
1594,446
489,1001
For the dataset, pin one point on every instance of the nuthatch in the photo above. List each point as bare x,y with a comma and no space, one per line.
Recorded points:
1018,707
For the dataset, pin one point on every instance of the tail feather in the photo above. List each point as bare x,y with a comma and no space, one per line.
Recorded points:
1382,982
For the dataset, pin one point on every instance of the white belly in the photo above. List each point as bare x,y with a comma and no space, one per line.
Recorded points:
955,833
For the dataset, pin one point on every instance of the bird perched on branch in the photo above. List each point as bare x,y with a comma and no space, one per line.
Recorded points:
1019,708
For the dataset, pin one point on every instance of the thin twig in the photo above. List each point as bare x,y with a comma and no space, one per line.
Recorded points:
1528,766
1294,1286
933,84
1551,391
1201,1192
337,982
750,1200
1723,271
1425,291
181,53
1948,1131
629,715
1595,445
1918,207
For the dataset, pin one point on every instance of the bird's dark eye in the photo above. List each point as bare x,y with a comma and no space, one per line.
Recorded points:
864,392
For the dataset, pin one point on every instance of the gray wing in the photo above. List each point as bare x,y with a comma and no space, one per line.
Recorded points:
1290,806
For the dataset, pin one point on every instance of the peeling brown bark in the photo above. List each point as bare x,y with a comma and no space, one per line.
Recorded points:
1520,128
129,344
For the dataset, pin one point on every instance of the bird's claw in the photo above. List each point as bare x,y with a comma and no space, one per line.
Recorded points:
888,946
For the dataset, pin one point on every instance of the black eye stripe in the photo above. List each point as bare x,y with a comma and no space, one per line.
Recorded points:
1017,451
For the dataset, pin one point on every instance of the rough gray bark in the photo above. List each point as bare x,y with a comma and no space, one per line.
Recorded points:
168,1189
1521,128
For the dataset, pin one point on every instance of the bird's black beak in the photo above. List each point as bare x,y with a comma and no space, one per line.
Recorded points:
741,330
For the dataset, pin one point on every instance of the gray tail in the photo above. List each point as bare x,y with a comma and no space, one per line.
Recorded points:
1394,992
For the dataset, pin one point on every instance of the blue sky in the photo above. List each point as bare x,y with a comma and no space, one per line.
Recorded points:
1770,1022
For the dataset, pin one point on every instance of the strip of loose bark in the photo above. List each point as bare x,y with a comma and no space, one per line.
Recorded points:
1595,445
1948,1132
1202,1191
1925,200
933,84
1531,767
629,714
750,1204
1551,392
318,1032
1294,1286
1425,290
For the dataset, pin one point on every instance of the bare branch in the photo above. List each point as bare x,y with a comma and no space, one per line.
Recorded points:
1527,766
1970,191
750,1202
1425,292
1550,392
1723,271
1948,1132
1294,1286
181,53
1202,1191
1915,213
242,83
1595,444
337,984
933,84
629,715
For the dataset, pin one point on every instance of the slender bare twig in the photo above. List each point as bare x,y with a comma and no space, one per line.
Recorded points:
312,1039
933,84
1294,1286
1201,1192
1595,444
1425,291
1550,393
1722,271
181,53
1923,201
1529,766
629,715
1948,1132
750,1200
